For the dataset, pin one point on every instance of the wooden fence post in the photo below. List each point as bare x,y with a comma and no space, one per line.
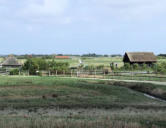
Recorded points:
95,74
77,74
56,73
49,73
71,73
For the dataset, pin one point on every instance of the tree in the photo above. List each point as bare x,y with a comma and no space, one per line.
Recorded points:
43,65
60,67
31,66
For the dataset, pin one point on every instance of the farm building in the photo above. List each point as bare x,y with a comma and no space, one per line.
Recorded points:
11,62
140,58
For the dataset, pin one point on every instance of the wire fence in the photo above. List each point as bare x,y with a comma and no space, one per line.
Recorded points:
143,76
125,75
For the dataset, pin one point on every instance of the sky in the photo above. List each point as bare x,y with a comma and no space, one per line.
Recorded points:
82,26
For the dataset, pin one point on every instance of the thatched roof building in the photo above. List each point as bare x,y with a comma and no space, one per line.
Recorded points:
139,57
11,61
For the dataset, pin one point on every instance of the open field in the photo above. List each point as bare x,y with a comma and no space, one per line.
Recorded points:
106,61
24,92
83,118
74,61
48,102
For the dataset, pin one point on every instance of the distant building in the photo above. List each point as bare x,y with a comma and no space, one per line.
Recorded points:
139,58
11,62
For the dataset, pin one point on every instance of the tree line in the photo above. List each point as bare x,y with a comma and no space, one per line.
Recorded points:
35,65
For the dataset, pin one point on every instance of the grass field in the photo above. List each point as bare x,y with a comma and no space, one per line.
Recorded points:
48,102
74,61
92,61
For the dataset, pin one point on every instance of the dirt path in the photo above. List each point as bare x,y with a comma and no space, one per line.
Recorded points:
150,82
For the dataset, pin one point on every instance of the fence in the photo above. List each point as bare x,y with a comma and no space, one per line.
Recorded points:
101,75
112,75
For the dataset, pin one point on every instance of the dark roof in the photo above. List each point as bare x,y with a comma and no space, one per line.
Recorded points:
11,61
141,56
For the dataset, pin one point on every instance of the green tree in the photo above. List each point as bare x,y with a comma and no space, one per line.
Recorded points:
31,66
43,65
60,67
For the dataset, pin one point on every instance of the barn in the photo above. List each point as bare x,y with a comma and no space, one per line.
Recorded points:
140,58
11,62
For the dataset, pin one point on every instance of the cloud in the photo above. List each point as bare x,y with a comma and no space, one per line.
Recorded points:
132,9
46,7
70,11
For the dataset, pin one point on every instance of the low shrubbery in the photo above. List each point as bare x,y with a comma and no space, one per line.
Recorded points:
36,65
14,72
157,68
161,68
143,67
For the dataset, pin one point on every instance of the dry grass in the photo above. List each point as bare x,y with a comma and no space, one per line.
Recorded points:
82,118
50,102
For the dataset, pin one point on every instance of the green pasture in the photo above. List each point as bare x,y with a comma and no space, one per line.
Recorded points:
49,102
74,61
24,92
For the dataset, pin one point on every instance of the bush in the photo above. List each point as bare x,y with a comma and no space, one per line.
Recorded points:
32,66
127,66
100,67
136,67
161,68
14,72
60,67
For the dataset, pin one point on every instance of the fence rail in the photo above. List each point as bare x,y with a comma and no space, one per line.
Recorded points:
101,74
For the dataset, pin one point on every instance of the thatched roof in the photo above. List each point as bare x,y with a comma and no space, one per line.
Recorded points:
141,56
11,61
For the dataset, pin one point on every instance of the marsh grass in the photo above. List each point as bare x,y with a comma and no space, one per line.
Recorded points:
51,102
85,118
38,92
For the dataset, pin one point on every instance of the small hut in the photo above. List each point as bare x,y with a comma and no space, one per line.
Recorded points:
11,62
140,58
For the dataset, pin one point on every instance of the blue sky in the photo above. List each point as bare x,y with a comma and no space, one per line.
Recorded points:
82,26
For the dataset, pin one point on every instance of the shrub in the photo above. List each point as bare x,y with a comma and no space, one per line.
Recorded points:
31,66
60,67
144,66
14,72
136,67
100,67
161,68
127,66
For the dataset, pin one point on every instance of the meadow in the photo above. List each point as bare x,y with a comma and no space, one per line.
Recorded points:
96,61
74,61
48,102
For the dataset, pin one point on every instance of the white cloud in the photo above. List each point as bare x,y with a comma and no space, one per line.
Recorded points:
68,11
132,9
46,7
